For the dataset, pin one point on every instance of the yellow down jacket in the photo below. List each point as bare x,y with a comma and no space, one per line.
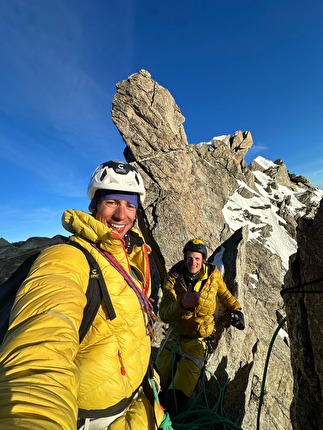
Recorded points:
46,376
197,323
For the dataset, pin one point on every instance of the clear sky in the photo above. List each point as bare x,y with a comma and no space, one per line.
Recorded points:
229,64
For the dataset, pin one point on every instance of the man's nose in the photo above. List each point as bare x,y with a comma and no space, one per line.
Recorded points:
120,212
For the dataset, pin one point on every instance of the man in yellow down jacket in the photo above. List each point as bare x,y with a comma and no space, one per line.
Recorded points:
188,306
48,381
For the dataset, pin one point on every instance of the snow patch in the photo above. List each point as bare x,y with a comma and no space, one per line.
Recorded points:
258,212
218,260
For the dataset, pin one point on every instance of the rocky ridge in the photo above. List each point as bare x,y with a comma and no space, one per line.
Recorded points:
249,218
302,293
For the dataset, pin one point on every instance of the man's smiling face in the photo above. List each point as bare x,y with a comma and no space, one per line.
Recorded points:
193,261
117,214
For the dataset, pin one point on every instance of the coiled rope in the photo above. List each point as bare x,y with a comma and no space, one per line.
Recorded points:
207,417
201,415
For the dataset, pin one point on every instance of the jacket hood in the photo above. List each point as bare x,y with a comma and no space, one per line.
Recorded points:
84,225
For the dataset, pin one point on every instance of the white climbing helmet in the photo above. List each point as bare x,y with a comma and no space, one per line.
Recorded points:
117,176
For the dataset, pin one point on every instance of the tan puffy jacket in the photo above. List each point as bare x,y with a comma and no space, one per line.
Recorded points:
45,375
197,323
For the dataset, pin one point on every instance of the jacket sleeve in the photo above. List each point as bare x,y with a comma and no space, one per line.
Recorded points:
226,298
170,309
38,377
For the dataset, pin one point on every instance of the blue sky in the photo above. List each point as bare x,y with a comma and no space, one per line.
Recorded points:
230,65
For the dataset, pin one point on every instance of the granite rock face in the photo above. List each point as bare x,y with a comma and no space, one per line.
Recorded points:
191,190
302,294
177,175
252,220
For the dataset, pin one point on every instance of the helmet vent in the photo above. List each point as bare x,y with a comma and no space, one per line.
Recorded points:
103,175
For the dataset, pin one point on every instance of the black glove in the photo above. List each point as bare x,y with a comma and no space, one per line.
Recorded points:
211,343
237,319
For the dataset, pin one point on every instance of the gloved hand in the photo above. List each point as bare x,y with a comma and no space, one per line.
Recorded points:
190,300
211,343
237,319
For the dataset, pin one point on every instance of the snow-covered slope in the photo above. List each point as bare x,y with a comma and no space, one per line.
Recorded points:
259,210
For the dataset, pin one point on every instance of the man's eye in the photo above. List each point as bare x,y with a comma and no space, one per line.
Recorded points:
110,203
131,206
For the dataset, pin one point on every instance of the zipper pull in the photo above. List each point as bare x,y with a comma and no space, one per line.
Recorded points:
123,370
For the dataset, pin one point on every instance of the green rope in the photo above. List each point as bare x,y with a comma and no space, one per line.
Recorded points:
173,362
203,416
207,417
266,368
166,424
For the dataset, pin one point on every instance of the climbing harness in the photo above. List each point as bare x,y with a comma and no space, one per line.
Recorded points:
164,342
199,363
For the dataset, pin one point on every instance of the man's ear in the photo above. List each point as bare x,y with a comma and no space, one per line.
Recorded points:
93,211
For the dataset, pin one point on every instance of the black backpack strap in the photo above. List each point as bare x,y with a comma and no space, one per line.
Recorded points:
9,290
95,293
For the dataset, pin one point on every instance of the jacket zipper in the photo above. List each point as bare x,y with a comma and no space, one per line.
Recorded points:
123,370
